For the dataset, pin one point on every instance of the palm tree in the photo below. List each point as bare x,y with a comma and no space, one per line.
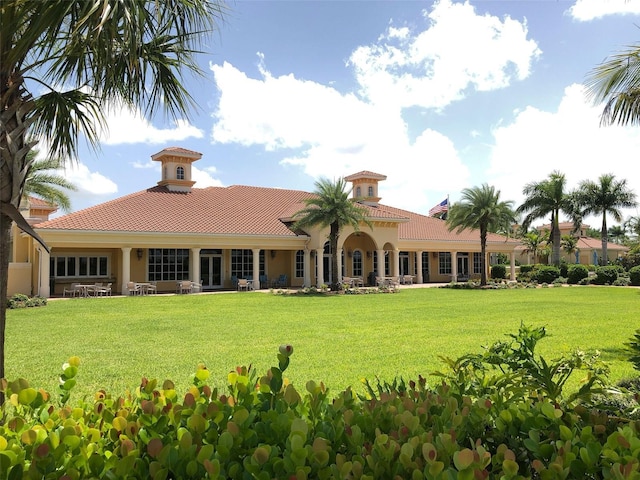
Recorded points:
63,62
44,183
569,244
632,224
534,242
548,197
616,82
618,234
331,207
480,208
606,196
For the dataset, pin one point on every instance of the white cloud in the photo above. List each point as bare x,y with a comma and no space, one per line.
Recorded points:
586,10
459,50
205,178
569,140
93,183
126,126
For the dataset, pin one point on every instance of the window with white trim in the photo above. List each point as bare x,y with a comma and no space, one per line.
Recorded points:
357,263
477,262
74,266
300,264
180,173
444,263
166,264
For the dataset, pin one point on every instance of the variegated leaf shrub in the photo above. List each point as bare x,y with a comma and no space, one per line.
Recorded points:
263,427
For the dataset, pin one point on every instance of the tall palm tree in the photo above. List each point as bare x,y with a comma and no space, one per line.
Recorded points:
44,183
569,244
606,196
546,197
618,234
331,207
632,224
616,83
534,243
481,208
63,62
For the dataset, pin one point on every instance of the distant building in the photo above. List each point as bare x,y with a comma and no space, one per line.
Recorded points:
216,235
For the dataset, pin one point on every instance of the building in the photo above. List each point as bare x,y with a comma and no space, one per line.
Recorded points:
216,235
588,249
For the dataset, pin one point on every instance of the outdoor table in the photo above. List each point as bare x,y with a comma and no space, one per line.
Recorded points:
84,288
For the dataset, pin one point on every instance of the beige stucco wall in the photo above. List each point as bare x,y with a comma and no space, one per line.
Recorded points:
19,278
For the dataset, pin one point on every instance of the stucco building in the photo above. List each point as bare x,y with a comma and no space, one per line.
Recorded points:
175,231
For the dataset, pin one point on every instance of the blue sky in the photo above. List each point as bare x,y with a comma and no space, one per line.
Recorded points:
438,96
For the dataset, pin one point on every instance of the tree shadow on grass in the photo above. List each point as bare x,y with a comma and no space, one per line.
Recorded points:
618,354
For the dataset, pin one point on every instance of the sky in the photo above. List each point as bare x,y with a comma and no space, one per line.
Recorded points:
436,95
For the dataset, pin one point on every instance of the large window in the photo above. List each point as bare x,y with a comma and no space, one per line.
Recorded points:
477,262
166,264
180,173
242,263
444,263
357,263
79,266
300,264
386,263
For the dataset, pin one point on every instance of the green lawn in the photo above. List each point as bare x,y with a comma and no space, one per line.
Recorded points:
337,339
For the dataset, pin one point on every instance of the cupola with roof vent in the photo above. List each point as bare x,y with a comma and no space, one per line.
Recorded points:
176,168
365,186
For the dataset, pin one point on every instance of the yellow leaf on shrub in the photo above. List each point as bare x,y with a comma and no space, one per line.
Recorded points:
3,443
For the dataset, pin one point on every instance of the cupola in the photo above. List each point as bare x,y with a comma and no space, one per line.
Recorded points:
365,186
176,168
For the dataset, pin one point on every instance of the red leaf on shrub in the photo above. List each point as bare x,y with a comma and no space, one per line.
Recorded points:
42,450
189,400
154,447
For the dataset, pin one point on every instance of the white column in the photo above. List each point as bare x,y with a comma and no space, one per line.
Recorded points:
380,266
195,265
320,266
396,263
43,273
419,267
256,268
340,252
512,266
126,269
454,266
307,267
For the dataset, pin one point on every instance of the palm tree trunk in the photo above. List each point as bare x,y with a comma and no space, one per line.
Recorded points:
605,239
555,235
483,259
333,241
5,233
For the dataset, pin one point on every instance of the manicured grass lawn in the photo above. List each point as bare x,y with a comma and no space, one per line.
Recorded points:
337,339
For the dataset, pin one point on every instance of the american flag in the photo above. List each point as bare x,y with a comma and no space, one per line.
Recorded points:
443,206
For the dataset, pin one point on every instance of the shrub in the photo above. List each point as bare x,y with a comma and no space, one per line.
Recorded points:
526,268
606,275
20,300
499,271
634,275
545,274
500,414
564,269
576,272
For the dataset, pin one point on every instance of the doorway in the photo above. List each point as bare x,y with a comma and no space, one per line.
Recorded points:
463,267
211,270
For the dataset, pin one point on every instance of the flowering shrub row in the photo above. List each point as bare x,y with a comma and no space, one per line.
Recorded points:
477,423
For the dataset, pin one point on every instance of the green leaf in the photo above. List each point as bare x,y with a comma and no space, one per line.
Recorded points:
27,395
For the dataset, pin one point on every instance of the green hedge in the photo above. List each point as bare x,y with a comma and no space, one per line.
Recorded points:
576,272
634,275
489,417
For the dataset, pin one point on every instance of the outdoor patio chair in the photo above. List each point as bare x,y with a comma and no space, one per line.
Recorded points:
243,284
185,286
100,290
282,281
133,288
73,290
264,281
152,287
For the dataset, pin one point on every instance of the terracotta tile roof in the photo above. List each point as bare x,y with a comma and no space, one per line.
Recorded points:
214,210
596,243
421,227
238,209
365,174
36,202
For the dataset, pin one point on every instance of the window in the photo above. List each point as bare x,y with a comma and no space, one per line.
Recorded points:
300,264
357,263
444,263
371,191
386,264
242,263
358,192
477,262
425,265
79,266
180,173
166,264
